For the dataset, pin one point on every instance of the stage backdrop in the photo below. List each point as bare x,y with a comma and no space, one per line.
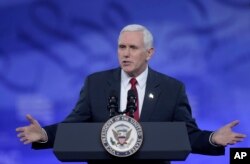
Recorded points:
48,47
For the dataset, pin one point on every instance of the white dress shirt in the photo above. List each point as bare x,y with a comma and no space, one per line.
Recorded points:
140,86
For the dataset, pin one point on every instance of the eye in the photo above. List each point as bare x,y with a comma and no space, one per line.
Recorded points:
122,46
133,47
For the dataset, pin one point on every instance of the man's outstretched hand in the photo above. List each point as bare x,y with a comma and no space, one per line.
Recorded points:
32,132
226,136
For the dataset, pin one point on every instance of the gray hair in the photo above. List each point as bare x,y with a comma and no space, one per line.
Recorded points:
147,35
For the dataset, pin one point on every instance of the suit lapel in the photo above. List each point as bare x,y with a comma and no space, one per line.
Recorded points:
151,95
114,83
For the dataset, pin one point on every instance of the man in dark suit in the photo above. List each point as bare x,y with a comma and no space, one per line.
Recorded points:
164,98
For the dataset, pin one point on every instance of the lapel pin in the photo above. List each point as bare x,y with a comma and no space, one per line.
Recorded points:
151,95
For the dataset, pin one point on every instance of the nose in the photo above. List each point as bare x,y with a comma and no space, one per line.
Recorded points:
126,53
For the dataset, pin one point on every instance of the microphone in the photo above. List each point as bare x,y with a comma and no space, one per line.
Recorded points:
112,104
131,103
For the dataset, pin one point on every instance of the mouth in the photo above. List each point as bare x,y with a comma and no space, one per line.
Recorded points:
126,63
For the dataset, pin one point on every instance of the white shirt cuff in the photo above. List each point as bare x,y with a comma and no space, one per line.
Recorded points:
45,134
210,140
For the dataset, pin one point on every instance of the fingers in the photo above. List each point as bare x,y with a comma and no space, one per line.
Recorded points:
238,135
233,124
234,141
25,140
20,135
30,119
238,139
20,129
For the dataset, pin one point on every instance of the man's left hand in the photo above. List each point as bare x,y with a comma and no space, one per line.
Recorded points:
225,136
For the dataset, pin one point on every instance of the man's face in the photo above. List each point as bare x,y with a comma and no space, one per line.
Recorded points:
132,54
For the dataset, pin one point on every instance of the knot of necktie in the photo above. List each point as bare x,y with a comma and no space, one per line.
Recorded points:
133,83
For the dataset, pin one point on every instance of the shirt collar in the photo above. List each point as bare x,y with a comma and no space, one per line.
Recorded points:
141,79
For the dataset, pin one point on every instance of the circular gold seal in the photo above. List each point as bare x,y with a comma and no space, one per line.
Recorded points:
122,136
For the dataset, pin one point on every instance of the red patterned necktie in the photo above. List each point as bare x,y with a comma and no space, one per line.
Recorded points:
133,83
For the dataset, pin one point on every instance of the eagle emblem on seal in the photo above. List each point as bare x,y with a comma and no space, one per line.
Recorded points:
121,135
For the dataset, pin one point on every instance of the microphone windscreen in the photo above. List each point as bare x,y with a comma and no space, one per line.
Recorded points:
131,93
113,93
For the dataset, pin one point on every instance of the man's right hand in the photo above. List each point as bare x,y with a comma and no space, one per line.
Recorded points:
32,132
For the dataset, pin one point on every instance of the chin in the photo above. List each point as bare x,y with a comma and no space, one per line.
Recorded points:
126,69
129,70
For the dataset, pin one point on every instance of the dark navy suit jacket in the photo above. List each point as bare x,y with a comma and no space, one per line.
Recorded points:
169,104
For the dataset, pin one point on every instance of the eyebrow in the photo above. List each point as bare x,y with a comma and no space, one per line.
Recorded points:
130,46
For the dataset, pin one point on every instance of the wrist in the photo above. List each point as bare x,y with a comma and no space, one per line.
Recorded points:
44,137
212,141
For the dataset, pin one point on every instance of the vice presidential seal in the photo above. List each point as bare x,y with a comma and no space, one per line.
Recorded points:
121,136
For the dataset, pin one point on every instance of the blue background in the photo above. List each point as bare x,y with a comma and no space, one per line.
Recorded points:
47,48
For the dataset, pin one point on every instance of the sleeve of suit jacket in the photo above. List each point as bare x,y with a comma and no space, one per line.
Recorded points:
199,139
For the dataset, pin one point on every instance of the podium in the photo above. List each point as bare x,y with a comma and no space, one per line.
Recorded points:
161,141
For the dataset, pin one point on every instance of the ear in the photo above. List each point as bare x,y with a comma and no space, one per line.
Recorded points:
150,53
